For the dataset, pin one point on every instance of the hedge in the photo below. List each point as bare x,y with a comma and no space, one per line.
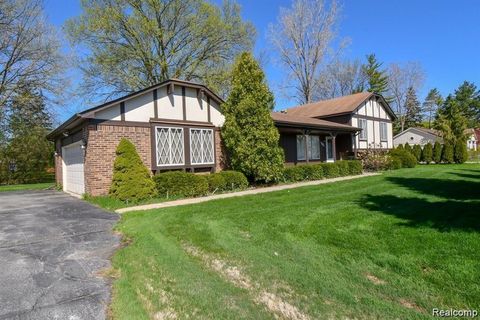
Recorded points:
406,159
181,184
234,180
319,171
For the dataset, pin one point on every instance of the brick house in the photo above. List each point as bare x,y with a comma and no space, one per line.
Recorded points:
175,125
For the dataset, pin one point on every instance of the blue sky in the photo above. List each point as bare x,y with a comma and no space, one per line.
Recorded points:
444,36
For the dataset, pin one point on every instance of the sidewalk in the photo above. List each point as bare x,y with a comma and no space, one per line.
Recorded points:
239,193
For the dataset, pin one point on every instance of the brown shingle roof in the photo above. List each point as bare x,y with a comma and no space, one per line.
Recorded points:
431,131
339,105
285,118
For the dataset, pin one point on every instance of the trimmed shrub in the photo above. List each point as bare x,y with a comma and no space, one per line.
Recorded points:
131,179
408,148
406,158
447,153
355,167
330,170
400,147
417,152
343,169
234,180
216,182
293,174
427,153
460,154
181,184
437,152
394,163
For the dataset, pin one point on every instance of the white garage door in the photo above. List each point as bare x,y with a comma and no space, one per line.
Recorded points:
73,176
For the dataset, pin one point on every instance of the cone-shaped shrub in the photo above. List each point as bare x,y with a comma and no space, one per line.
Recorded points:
400,147
460,154
408,148
131,178
427,153
447,153
417,152
437,152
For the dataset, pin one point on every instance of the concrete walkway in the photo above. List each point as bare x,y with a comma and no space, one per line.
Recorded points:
239,193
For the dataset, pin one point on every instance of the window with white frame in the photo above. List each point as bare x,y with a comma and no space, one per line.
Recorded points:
170,146
362,124
201,146
313,150
383,131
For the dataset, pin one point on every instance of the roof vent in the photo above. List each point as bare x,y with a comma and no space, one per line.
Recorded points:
283,111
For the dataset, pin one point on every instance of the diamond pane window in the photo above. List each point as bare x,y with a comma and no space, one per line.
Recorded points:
170,149
201,146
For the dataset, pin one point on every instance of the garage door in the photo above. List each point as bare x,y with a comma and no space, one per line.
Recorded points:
73,177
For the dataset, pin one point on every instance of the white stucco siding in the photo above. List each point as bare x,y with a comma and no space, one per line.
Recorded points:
196,108
413,137
111,113
140,108
169,106
216,117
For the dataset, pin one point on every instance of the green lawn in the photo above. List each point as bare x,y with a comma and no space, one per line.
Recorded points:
384,247
32,186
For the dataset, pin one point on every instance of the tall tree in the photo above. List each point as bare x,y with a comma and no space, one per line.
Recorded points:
29,49
431,104
249,133
467,97
133,44
340,78
302,37
377,78
401,77
413,116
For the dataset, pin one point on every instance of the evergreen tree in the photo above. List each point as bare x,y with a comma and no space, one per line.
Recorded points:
400,147
249,133
427,153
447,153
408,148
431,104
437,152
376,77
131,178
417,152
413,116
460,153
467,97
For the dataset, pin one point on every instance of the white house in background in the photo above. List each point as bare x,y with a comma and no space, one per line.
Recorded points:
473,139
365,110
417,135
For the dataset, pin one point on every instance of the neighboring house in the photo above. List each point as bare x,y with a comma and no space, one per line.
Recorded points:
473,139
175,125
417,135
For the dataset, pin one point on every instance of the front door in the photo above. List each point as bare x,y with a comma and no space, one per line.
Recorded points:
329,149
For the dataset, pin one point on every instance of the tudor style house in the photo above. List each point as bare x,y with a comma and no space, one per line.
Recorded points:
175,125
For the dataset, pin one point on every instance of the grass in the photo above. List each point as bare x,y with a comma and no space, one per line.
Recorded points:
383,247
31,186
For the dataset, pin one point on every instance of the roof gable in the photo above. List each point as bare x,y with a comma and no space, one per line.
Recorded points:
336,106
421,131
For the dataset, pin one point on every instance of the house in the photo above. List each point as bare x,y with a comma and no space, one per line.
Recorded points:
175,125
473,139
362,121
417,135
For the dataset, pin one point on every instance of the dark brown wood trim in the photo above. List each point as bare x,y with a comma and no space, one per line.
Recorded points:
184,104
155,103
209,116
186,147
182,122
359,116
122,111
119,123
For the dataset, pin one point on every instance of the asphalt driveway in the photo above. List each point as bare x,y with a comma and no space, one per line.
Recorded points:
52,248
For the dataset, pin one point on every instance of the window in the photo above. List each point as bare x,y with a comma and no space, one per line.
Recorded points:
313,149
300,147
170,148
362,124
383,131
201,146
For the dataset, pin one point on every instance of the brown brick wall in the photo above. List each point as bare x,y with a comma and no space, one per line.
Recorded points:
102,140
